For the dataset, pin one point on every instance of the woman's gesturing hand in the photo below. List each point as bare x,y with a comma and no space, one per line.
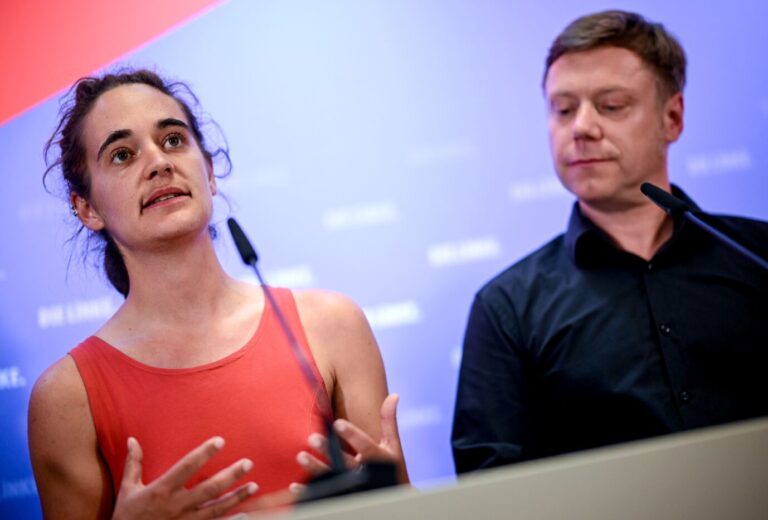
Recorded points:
167,498
388,449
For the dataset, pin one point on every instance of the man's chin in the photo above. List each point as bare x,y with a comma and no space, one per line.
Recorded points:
596,195
606,202
591,191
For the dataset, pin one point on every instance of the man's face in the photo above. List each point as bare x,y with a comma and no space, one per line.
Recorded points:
609,129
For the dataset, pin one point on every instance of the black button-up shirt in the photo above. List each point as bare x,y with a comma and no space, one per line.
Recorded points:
581,344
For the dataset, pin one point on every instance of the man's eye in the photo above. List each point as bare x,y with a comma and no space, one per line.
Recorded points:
561,110
612,107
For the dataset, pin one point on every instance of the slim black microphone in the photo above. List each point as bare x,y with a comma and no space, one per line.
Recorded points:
679,208
244,247
249,256
338,481
665,200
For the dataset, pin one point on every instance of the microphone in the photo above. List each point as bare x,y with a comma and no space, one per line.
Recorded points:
243,245
249,256
675,207
338,481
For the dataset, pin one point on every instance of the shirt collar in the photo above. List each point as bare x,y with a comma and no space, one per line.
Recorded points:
584,239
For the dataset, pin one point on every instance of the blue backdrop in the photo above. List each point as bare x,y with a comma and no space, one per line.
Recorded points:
395,151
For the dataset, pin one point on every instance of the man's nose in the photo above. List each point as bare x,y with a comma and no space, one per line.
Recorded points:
586,123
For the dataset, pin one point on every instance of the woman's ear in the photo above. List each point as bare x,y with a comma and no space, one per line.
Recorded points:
85,212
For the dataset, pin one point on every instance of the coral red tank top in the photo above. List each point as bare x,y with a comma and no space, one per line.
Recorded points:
255,398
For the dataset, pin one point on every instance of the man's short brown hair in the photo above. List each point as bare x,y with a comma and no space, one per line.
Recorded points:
650,41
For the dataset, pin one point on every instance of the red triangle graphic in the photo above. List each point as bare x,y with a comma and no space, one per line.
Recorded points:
45,45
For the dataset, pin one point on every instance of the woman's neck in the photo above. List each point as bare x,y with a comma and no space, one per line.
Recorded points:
182,309
179,284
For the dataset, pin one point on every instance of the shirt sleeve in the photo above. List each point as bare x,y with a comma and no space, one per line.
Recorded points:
491,405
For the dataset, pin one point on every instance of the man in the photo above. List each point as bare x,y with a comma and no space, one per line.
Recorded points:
630,324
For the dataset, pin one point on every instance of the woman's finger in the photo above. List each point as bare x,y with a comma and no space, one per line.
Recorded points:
312,464
219,506
177,476
133,468
296,488
212,488
389,432
358,440
319,443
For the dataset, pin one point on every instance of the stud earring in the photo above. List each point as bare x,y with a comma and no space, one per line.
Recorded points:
74,211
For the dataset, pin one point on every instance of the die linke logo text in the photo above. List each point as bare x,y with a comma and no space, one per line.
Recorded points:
10,377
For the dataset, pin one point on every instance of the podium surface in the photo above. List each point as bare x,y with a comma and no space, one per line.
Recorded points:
714,473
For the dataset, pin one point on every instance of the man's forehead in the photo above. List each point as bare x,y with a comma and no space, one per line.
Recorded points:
601,69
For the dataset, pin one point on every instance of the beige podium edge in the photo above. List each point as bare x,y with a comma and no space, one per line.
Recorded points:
713,473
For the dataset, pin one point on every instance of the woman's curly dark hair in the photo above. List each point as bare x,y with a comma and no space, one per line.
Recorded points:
65,151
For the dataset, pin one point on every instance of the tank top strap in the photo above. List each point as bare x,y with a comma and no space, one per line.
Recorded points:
287,302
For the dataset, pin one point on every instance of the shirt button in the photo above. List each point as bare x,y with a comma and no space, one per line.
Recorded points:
665,329
685,396
650,266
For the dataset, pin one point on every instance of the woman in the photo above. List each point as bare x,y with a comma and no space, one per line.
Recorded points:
187,398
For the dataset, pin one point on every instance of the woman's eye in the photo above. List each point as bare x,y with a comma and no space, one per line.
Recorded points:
120,156
174,141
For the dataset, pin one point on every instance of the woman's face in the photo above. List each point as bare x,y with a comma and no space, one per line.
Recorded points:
150,181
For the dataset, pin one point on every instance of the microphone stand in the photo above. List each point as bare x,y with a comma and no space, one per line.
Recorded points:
338,480
675,207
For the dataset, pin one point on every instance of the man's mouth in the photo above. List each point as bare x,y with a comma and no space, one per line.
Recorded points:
586,161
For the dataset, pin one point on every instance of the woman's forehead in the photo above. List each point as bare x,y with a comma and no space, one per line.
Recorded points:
134,107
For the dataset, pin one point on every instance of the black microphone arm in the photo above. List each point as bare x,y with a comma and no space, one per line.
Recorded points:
675,207
339,480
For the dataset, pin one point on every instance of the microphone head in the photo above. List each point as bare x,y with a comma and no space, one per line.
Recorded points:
244,247
665,200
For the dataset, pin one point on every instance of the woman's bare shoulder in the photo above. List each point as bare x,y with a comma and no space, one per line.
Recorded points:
59,403
338,331
328,308
58,384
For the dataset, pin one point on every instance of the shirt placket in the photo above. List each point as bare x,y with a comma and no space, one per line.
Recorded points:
661,300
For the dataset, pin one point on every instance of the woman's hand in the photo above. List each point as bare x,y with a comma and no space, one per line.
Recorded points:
388,449
167,498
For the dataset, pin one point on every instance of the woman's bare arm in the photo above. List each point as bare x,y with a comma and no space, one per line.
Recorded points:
346,353
72,479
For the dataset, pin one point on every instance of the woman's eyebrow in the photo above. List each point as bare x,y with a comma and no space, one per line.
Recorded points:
171,121
111,138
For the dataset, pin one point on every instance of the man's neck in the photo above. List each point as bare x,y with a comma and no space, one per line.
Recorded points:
640,229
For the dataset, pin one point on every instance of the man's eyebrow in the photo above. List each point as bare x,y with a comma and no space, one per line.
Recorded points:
561,93
612,89
609,89
171,121
111,138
